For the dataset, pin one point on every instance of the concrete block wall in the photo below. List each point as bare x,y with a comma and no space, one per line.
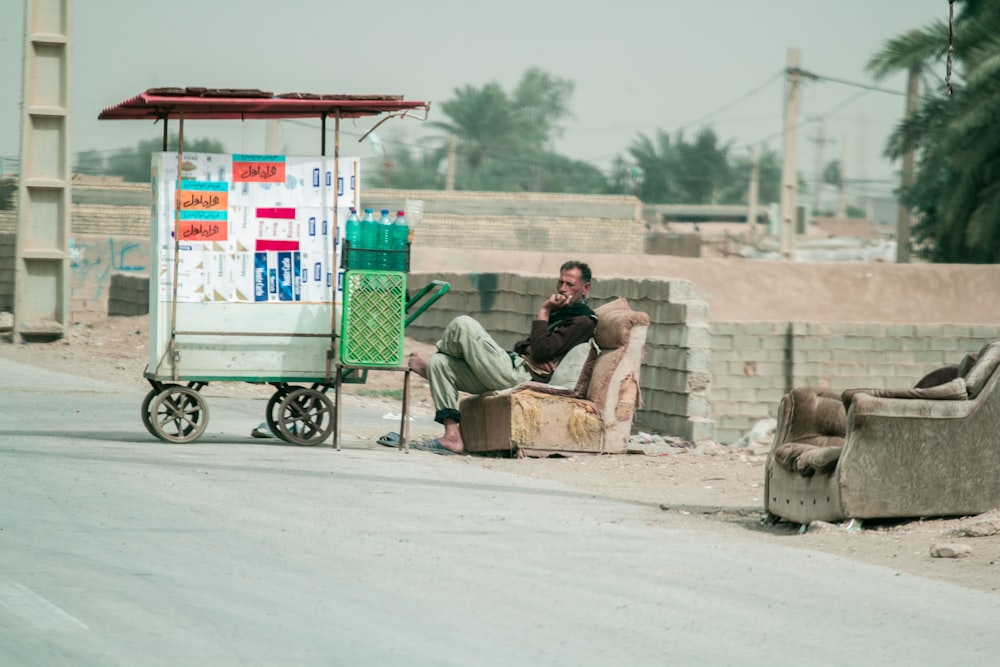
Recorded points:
675,377
128,294
750,374
754,364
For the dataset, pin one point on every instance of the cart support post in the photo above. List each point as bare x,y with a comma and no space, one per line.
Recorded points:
177,219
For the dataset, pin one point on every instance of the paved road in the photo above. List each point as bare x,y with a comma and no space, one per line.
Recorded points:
119,550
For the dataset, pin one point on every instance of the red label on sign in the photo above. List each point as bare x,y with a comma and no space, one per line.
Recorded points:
259,172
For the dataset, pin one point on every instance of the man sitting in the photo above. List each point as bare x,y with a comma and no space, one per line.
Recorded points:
469,360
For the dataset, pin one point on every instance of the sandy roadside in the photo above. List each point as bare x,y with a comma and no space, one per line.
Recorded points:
716,489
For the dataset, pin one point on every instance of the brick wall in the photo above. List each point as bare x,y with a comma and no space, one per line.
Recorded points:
754,364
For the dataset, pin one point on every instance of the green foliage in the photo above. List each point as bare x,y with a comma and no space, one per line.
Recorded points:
396,394
768,178
8,186
411,168
956,188
503,140
702,171
831,174
90,162
133,164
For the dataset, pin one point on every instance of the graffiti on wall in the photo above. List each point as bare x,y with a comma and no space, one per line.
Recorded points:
92,261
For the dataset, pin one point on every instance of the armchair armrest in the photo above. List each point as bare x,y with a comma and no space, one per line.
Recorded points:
865,405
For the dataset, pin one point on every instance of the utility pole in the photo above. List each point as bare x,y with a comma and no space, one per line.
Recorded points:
449,181
45,178
903,221
820,141
752,193
842,203
271,137
789,180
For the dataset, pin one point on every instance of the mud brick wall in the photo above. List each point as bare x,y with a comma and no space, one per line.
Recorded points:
754,364
120,209
520,221
675,377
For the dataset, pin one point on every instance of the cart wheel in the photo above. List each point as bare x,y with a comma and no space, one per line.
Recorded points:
145,414
178,414
305,417
271,411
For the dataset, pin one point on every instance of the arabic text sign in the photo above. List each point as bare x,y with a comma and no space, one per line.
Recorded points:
203,196
202,226
258,168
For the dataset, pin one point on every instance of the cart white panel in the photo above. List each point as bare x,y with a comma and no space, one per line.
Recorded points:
258,291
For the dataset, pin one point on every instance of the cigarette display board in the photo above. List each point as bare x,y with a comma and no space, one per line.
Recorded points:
246,256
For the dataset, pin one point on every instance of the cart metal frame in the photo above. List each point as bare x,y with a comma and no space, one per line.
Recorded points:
302,415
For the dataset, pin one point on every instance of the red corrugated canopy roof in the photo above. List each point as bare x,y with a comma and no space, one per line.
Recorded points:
239,104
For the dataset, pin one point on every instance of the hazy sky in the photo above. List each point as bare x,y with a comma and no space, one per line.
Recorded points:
637,65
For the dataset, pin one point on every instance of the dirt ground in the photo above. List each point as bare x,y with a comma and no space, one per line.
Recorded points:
703,489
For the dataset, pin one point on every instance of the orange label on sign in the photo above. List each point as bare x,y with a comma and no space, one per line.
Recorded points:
197,200
202,230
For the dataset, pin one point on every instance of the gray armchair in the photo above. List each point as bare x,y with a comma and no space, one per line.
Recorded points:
888,453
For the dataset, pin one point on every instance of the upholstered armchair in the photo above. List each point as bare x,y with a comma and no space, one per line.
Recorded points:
593,416
930,450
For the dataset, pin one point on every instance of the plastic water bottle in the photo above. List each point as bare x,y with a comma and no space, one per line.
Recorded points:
353,234
400,235
384,241
369,235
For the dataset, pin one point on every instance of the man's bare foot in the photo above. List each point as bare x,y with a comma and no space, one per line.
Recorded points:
454,444
418,364
452,438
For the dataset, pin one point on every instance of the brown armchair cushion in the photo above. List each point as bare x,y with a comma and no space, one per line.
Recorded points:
808,458
614,322
816,425
938,376
815,414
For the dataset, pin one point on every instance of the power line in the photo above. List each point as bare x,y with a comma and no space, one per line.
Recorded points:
753,91
818,77
734,102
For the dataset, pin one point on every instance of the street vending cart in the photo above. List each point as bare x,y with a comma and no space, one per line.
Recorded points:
251,280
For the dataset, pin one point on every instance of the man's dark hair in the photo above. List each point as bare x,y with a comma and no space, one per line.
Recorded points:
573,264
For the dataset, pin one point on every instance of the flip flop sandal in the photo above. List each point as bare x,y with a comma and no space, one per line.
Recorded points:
389,439
434,446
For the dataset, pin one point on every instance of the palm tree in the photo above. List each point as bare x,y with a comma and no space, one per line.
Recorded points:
956,190
681,172
483,121
489,123
657,159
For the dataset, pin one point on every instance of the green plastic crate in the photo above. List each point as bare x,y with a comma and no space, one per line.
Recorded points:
373,318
